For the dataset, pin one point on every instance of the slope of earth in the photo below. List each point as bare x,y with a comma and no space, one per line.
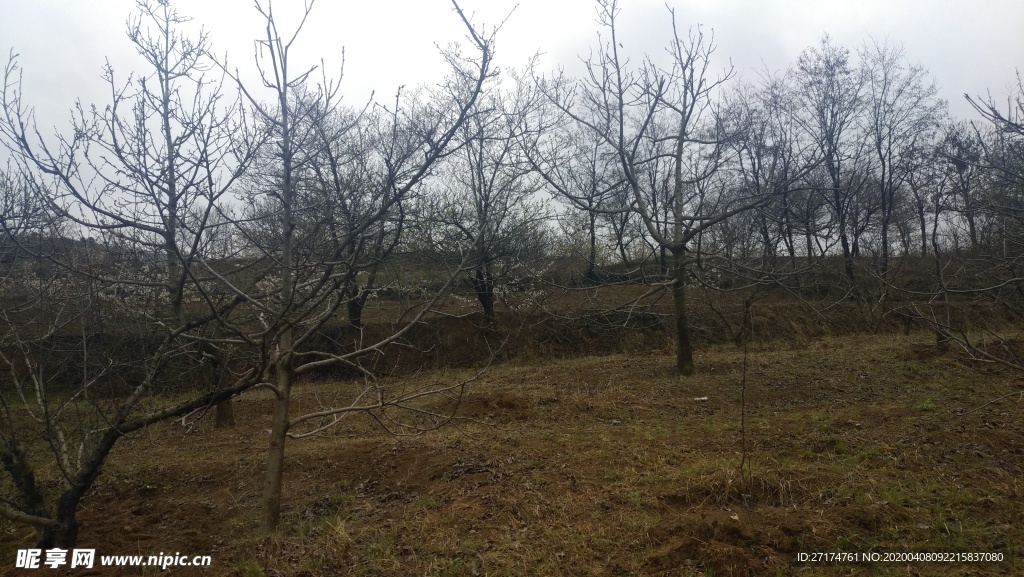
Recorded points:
603,466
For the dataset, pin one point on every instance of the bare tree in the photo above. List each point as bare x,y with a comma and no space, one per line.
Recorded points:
486,205
348,171
25,222
576,163
772,161
306,286
903,115
984,174
961,153
1002,144
831,92
661,125
145,174
1009,126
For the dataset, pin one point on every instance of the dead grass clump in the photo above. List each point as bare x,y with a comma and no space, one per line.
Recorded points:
725,488
323,547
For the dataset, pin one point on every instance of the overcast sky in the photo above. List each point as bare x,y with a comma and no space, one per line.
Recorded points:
972,46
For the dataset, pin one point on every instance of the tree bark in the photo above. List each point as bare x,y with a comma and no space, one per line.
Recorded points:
483,285
65,533
886,219
224,415
283,365
590,277
21,473
275,454
354,308
684,348
924,228
844,240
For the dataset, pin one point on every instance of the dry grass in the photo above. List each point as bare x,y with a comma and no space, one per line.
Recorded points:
605,466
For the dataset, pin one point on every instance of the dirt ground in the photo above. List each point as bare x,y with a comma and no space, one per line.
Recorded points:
603,466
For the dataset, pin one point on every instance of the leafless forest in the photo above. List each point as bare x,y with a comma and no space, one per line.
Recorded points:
201,255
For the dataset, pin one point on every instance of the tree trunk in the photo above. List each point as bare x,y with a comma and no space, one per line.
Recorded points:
844,240
924,229
283,364
973,230
224,415
354,308
24,478
884,268
275,456
809,234
213,367
483,285
591,276
768,255
903,228
359,294
684,348
887,194
788,229
65,533
941,336
354,305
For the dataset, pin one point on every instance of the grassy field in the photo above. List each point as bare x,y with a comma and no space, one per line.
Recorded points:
604,465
